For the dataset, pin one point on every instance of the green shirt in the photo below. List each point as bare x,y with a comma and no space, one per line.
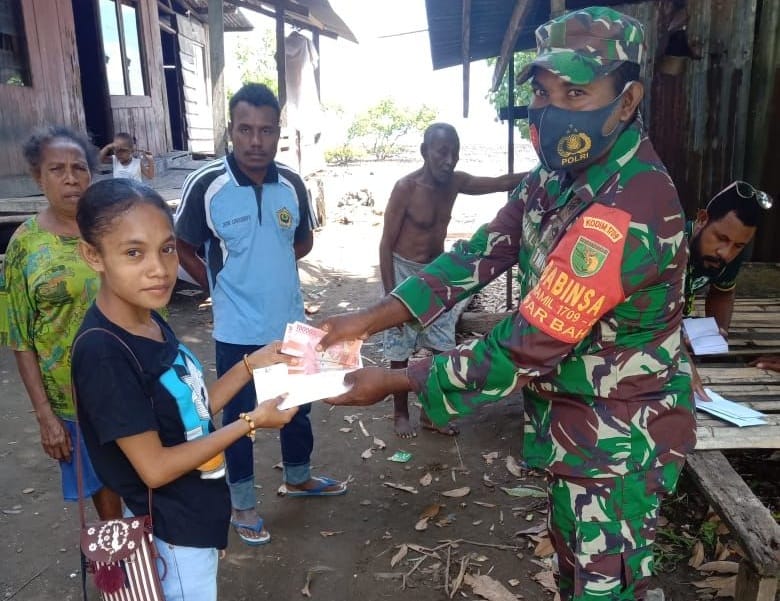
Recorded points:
47,290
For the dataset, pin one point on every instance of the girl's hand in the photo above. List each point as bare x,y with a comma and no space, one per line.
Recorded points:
268,415
270,354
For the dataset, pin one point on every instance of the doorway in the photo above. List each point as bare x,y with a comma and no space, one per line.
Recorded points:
94,83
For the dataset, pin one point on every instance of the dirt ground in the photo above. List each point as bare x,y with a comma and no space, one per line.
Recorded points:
347,547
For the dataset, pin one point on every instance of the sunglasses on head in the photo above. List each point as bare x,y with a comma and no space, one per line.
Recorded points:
745,190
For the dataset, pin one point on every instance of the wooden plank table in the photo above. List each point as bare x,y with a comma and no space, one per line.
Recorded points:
755,330
758,389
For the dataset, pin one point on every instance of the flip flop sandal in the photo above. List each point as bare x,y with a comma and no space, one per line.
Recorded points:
317,491
256,527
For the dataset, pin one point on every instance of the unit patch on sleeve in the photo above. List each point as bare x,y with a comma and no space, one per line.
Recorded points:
582,278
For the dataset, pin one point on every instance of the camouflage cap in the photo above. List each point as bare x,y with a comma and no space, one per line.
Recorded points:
587,44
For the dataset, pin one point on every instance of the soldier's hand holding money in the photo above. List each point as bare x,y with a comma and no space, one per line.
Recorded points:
388,312
370,385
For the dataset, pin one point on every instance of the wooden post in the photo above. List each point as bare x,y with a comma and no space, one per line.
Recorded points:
281,68
217,63
315,38
510,167
465,56
751,586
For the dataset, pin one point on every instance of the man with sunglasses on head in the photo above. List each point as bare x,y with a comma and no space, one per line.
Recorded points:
719,240
597,231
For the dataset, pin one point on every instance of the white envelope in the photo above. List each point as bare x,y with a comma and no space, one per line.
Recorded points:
275,380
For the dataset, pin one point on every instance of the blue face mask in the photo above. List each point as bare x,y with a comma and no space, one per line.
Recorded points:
566,140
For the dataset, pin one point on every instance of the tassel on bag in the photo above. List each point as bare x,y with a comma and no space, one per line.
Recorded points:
109,578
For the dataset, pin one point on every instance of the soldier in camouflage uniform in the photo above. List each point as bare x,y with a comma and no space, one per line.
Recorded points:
597,231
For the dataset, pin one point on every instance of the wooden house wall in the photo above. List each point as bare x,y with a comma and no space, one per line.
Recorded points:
194,61
55,94
700,120
146,117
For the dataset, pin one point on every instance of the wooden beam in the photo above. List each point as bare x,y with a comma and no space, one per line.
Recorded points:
557,8
746,516
281,68
315,39
217,63
164,8
465,53
519,15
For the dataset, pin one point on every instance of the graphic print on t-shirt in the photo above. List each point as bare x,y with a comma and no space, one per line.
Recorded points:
184,381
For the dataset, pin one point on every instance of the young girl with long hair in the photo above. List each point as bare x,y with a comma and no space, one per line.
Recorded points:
149,426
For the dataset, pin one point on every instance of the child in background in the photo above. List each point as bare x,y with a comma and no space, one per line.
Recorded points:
151,428
126,160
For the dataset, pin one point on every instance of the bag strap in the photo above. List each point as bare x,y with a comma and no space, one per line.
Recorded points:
79,472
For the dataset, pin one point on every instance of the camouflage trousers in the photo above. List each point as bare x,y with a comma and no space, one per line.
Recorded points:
602,530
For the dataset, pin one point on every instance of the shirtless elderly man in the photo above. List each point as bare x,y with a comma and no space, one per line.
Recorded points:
416,219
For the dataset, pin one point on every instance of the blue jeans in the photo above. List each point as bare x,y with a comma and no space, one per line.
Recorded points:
186,573
296,437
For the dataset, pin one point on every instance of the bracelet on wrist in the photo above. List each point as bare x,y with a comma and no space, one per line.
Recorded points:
248,419
248,367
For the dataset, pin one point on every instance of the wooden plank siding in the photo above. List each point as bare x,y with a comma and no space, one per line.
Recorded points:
146,117
193,38
55,94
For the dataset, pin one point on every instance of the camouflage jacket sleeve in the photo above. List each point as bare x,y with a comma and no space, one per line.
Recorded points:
468,267
556,315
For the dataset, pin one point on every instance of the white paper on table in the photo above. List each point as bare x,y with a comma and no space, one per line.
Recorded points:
704,335
275,380
737,414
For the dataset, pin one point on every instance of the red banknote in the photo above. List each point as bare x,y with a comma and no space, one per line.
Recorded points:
300,340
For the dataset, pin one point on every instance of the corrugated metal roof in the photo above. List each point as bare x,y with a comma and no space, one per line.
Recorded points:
316,15
489,20
236,21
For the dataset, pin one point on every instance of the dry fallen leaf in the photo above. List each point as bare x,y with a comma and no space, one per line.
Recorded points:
309,574
402,487
367,454
723,584
327,533
363,429
488,588
379,443
489,457
721,567
513,467
457,492
426,479
525,491
544,548
422,524
697,555
537,529
547,580
487,481
483,504
350,418
345,430
431,511
513,582
399,555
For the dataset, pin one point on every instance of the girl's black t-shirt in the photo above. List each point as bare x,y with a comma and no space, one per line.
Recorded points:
115,400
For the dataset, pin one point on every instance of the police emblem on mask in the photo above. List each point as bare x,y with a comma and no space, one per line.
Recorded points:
574,147
587,257
284,217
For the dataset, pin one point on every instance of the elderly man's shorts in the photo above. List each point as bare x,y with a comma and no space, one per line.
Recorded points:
401,342
603,530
